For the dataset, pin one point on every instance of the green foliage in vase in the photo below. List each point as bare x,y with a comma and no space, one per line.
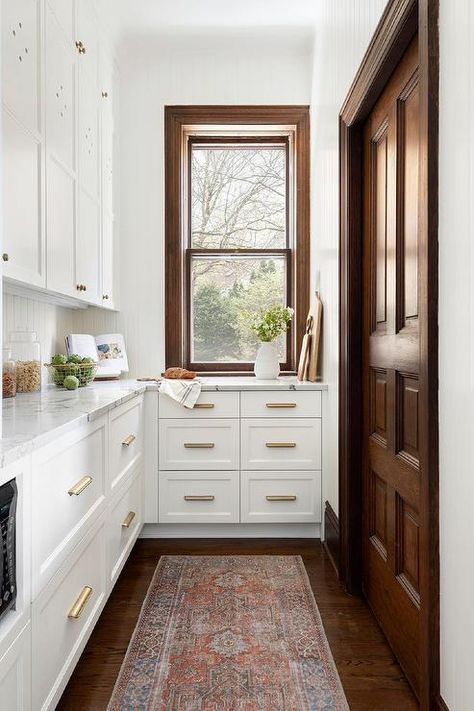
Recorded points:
269,324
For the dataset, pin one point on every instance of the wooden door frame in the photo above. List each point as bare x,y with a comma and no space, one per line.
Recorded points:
399,23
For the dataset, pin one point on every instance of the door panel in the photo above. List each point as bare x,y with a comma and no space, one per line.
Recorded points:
21,61
391,363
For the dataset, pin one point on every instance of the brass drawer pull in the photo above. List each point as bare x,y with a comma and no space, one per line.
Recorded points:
204,405
280,405
129,519
80,486
129,439
199,445
287,497
76,610
279,445
205,497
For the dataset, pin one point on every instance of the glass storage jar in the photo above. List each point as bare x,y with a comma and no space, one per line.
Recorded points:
8,374
26,352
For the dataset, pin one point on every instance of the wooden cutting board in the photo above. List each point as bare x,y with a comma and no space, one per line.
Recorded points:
305,350
316,312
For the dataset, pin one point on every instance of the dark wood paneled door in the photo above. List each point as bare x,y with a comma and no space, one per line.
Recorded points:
391,360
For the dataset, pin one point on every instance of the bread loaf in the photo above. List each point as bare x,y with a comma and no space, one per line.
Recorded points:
179,374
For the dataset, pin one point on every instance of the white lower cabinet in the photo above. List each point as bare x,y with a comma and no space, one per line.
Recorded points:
279,497
242,466
64,614
124,524
15,674
199,497
74,535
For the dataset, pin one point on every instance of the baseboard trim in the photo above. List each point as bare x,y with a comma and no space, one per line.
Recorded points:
231,530
331,535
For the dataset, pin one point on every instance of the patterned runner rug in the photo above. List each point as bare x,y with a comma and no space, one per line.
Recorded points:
229,633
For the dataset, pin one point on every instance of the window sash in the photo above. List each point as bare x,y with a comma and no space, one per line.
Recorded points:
214,366
240,142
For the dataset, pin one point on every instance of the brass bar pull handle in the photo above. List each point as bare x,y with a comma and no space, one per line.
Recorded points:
199,445
200,498
279,445
128,520
129,439
280,405
204,405
286,497
80,486
76,610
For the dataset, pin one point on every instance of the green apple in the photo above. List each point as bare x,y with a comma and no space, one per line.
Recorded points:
71,382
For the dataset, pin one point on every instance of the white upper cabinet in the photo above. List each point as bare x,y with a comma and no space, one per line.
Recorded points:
60,96
107,94
88,250
58,143
107,132
23,240
60,113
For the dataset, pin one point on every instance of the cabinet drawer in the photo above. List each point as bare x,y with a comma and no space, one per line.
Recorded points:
281,497
125,522
208,405
125,439
281,444
195,497
68,491
281,404
199,444
64,615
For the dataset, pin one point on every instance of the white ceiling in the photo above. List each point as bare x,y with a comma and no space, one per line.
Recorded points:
125,18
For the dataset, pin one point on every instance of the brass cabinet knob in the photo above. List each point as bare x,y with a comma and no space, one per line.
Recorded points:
79,287
84,287
105,296
80,47
105,94
5,257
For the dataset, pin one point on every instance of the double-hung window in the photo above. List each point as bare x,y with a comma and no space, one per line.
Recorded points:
237,229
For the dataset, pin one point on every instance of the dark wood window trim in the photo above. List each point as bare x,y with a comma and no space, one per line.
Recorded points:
176,118
401,20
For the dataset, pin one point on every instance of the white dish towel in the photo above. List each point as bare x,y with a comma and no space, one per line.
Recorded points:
186,392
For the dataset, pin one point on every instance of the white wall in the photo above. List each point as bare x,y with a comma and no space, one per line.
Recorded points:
343,33
220,69
51,323
456,327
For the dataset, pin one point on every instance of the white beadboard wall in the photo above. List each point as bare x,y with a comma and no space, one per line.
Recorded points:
269,67
51,323
456,351
343,32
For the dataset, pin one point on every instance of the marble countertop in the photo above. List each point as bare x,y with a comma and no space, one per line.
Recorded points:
31,420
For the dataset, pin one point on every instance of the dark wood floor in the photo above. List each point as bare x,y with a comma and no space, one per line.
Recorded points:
371,677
